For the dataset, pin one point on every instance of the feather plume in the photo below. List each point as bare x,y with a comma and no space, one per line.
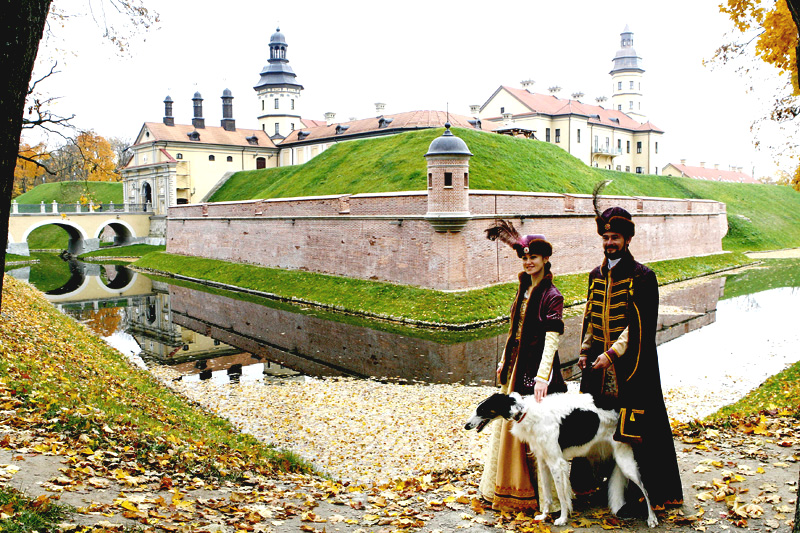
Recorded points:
598,188
504,231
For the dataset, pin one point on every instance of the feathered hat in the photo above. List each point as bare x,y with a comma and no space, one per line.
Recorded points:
522,244
614,219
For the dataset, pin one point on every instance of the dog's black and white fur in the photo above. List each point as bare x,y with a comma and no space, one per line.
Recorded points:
558,428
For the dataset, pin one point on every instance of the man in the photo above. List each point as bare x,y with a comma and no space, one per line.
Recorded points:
620,364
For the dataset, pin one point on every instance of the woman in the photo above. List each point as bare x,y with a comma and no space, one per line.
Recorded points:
529,366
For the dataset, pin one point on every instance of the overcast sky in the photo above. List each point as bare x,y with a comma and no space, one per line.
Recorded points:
414,55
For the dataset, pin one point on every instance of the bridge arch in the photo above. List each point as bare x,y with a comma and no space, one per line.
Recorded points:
124,232
77,235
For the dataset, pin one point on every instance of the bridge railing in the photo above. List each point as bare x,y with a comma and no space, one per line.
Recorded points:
55,208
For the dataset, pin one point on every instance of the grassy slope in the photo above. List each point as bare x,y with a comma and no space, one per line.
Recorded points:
402,302
760,217
56,373
69,192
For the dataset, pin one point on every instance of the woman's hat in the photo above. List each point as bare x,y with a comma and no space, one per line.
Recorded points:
522,244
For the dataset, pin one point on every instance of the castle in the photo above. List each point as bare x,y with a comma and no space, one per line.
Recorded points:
175,164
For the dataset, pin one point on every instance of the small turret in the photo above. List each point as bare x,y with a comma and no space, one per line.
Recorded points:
448,182
227,122
169,120
198,121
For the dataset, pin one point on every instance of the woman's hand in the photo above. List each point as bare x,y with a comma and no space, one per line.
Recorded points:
540,391
499,369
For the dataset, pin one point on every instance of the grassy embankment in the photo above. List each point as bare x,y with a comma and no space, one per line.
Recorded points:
67,192
402,302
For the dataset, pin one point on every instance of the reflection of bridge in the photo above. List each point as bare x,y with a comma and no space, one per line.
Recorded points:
84,224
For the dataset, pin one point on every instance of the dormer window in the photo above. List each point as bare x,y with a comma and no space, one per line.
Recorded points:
252,140
193,136
383,122
475,123
341,129
302,135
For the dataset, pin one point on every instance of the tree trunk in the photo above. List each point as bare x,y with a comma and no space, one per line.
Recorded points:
22,26
794,9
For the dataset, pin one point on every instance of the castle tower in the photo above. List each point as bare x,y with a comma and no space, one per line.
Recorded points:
278,92
448,182
626,77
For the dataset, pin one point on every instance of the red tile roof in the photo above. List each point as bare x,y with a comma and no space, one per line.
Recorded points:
548,104
713,174
410,120
208,135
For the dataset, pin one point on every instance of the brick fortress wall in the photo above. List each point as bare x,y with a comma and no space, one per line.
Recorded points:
384,236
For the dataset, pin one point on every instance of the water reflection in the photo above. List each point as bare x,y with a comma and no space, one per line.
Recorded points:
207,334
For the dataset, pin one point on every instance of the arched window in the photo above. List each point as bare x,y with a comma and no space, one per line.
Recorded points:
212,158
261,162
230,159
178,156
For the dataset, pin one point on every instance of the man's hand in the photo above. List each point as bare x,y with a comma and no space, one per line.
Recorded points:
540,391
499,369
601,362
582,362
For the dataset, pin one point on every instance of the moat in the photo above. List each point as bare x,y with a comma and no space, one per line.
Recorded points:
209,334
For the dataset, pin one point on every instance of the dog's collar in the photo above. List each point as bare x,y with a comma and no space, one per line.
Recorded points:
518,420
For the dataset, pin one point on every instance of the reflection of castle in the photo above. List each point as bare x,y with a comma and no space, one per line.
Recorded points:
150,323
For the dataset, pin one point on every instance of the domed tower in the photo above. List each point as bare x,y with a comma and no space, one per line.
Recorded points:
448,182
278,92
626,77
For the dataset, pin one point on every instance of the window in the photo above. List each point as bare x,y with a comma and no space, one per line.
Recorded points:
502,110
261,162
291,126
619,145
558,135
466,180
276,103
596,143
619,168
292,103
178,156
619,107
627,169
229,159
430,180
263,127
579,135
619,85
630,104
277,129
638,170
448,179
262,105
211,158
656,146
639,147
631,85
627,146
547,134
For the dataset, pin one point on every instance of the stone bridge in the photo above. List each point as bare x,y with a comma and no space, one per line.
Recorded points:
84,224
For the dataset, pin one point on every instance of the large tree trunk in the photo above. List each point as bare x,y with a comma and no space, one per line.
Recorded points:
22,26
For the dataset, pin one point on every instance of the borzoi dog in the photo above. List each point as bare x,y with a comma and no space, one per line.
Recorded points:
558,428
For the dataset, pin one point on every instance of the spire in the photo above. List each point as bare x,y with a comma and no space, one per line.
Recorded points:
626,58
277,73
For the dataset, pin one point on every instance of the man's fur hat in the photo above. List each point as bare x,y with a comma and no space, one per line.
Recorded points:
614,219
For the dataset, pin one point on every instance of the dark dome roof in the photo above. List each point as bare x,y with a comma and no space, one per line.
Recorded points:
277,37
448,144
227,92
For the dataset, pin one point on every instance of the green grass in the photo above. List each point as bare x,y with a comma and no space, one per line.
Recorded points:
133,250
760,217
15,257
49,237
779,392
69,192
780,273
403,302
26,515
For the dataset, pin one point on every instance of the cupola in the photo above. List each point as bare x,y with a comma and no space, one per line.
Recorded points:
448,182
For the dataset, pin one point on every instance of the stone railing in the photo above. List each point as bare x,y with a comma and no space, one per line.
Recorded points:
56,208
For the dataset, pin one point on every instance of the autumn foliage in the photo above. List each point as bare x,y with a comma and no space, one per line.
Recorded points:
28,171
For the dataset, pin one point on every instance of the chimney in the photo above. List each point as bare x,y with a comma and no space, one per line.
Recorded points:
227,122
379,107
329,116
527,84
169,120
475,110
198,121
554,89
506,119
577,96
716,166
600,100
702,164
683,162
